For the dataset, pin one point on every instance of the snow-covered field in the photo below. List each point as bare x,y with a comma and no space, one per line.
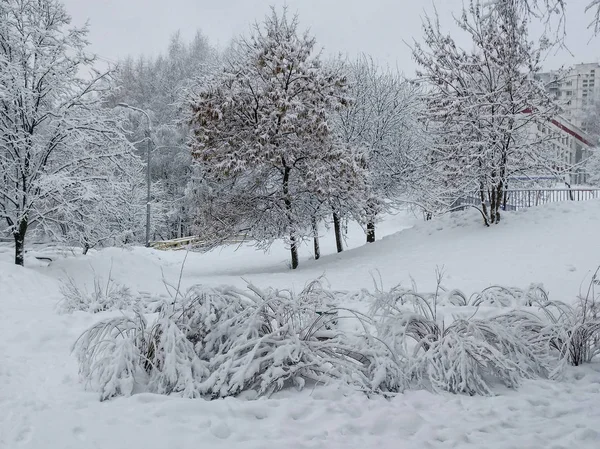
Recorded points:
43,405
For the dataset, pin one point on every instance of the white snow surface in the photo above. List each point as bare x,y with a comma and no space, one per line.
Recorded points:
44,406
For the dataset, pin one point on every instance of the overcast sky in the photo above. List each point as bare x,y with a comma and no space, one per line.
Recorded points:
377,27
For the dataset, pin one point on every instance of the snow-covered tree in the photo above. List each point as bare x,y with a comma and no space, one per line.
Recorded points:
109,209
382,123
55,134
591,124
484,105
262,136
590,117
552,13
594,8
592,167
158,86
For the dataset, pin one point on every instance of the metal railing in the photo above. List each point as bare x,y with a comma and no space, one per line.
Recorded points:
515,199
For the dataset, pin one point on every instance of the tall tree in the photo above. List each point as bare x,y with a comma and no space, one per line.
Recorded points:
158,86
485,104
262,127
382,123
54,133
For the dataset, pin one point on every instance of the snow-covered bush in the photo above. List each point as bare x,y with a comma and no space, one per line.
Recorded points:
500,296
493,296
106,296
575,330
111,354
461,355
117,353
281,341
218,342
103,297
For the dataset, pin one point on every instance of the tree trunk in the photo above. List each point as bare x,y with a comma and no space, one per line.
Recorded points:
294,250
337,226
499,194
288,207
86,248
493,205
484,210
19,235
315,230
370,231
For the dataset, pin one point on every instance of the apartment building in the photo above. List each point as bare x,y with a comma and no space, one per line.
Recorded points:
577,89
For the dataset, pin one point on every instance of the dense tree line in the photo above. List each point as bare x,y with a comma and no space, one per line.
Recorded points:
267,139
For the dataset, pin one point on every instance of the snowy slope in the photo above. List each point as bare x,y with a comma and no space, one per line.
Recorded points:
556,245
43,406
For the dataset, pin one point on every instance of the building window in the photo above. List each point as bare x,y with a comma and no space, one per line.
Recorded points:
569,93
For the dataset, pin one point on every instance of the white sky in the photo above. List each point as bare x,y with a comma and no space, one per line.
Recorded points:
376,27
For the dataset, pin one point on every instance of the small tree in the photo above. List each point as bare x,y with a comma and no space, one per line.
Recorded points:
262,137
484,105
53,129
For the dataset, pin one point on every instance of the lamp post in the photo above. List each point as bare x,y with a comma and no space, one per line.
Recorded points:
148,145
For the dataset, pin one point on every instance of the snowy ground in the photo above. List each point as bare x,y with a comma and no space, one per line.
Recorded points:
43,406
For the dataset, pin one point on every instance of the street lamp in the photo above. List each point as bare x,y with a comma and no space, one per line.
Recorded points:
148,144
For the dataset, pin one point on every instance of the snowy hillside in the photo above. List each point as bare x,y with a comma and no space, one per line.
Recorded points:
45,406
556,245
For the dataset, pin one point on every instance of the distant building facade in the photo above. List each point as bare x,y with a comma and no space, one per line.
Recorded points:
577,90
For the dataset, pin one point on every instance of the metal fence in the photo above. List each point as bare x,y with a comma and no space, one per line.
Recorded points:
515,199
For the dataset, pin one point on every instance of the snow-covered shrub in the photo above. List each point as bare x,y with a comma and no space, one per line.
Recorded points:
493,296
117,353
111,355
218,342
106,296
500,296
103,297
172,362
266,339
462,355
575,330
